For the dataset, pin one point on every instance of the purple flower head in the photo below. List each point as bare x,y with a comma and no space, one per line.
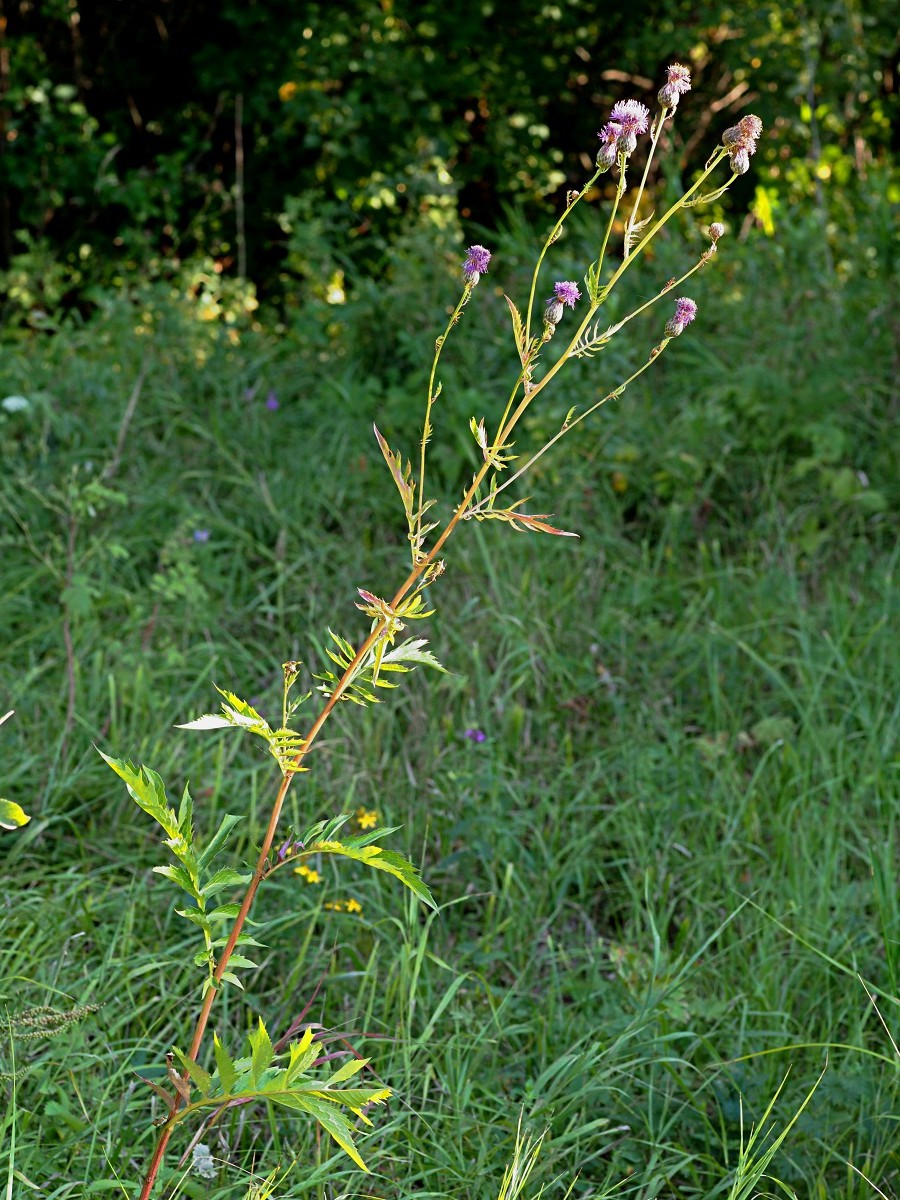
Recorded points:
475,735
740,142
272,400
751,127
607,154
566,292
476,264
631,116
678,81
679,78
685,311
201,535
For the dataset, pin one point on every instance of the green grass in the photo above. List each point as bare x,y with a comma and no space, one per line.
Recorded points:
666,878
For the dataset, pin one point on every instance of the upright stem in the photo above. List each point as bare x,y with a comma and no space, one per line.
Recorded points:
418,570
426,427
654,138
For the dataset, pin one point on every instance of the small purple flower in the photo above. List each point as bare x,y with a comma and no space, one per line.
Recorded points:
750,126
607,154
631,116
678,81
476,264
475,735
201,535
685,311
272,400
567,292
740,142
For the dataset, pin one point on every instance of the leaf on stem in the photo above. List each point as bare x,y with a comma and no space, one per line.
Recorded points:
518,520
261,1076
402,476
380,860
593,340
12,816
518,330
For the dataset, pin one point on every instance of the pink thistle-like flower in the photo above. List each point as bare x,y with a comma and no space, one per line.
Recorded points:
740,141
678,81
750,126
567,292
678,77
631,116
685,311
608,152
476,263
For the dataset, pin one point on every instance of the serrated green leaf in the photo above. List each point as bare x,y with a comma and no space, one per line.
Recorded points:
230,977
411,651
354,1098
217,841
380,860
198,918
224,1065
179,876
238,960
148,791
261,1052
12,816
332,1120
207,721
200,1078
302,1056
186,816
348,1070
202,958
518,328
223,878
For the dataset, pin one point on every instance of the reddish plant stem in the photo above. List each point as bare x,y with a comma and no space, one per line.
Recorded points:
259,873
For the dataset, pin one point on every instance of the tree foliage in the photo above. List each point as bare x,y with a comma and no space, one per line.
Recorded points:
134,136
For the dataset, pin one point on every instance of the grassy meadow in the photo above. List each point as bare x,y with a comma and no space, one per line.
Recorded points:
667,873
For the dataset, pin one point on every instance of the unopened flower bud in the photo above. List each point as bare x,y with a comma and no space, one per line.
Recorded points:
606,155
740,161
668,96
553,312
716,230
732,137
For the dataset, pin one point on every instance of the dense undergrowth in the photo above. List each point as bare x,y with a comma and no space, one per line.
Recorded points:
667,871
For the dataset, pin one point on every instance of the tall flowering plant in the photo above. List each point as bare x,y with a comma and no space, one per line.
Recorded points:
293,1072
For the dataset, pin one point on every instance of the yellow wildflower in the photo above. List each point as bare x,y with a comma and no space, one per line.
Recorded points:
367,818
347,906
287,91
310,875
